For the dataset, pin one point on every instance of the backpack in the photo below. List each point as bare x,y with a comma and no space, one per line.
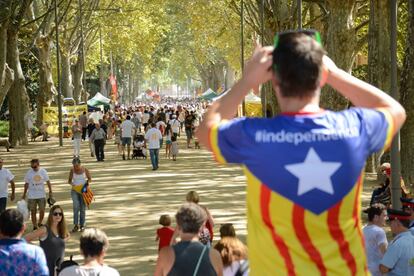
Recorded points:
66,264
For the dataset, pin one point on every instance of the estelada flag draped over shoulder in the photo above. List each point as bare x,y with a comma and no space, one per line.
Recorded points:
112,80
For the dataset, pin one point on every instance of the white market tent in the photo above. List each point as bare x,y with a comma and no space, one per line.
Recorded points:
99,99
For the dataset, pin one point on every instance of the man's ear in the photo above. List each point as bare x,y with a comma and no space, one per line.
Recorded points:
324,77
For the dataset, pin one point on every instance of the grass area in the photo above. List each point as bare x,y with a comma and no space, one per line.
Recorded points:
4,128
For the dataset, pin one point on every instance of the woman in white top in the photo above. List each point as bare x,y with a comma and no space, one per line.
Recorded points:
78,176
93,245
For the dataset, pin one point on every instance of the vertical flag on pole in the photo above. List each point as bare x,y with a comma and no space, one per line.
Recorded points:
112,80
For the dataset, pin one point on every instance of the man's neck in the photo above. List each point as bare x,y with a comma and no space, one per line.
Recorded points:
299,105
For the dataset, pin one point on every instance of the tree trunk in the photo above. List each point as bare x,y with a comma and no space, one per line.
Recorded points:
379,58
66,76
340,44
407,100
6,74
77,73
18,99
47,90
230,77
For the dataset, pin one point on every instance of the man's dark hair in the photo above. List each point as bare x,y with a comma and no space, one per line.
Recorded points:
375,209
11,222
297,63
128,117
153,124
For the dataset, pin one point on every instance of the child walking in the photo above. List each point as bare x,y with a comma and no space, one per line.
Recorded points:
174,147
168,133
165,233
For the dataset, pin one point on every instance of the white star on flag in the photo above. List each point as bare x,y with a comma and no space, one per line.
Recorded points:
313,173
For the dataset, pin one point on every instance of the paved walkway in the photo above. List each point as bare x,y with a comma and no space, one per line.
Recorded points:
130,197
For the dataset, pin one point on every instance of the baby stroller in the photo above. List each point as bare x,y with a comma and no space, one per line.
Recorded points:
139,150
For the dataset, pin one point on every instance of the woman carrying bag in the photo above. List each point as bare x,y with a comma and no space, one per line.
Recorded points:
79,179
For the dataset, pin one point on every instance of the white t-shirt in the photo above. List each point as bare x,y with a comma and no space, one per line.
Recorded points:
76,270
36,182
374,236
175,125
145,118
5,177
139,115
153,136
127,126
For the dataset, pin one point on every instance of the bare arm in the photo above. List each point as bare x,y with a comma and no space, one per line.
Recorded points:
37,234
165,261
70,176
216,261
13,187
362,94
49,186
383,248
256,72
26,186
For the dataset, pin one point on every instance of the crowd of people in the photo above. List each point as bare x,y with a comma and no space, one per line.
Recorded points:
304,172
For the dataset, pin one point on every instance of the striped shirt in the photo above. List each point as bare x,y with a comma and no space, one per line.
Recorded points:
304,174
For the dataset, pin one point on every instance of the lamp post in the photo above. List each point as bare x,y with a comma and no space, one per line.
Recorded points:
242,48
59,100
299,14
263,91
395,146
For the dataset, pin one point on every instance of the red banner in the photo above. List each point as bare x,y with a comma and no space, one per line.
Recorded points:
112,80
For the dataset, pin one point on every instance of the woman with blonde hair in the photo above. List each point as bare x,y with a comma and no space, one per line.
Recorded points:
206,233
52,237
234,256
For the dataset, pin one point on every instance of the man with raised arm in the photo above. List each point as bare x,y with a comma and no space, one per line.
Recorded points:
304,167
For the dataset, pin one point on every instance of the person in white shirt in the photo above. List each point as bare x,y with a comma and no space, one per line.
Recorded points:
145,119
375,239
153,137
93,246
127,130
175,126
34,187
6,177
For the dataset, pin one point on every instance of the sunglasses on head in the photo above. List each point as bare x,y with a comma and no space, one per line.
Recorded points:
309,32
57,214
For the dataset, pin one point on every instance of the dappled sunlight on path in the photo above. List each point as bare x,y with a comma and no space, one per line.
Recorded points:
130,197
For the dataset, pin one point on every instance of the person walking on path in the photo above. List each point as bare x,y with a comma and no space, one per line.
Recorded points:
34,187
6,177
98,138
93,246
17,257
78,177
168,141
189,256
174,148
91,127
77,138
83,120
127,131
175,126
306,161
153,137
52,237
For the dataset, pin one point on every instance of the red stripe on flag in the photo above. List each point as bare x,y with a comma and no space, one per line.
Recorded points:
265,194
338,236
356,218
298,221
